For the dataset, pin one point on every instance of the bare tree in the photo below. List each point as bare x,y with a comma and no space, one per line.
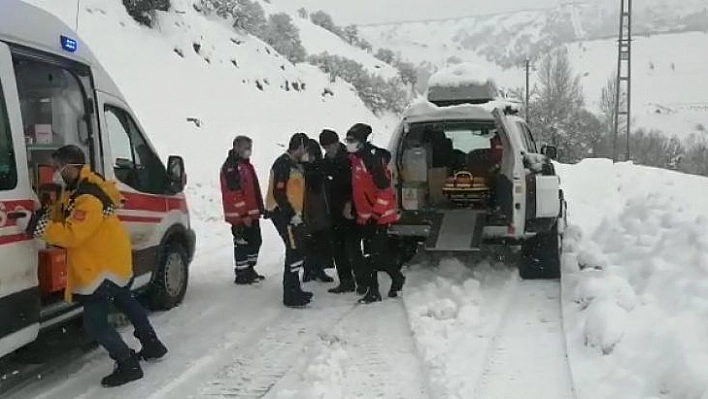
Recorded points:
557,102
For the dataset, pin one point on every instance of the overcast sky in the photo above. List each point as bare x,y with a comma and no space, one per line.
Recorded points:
363,11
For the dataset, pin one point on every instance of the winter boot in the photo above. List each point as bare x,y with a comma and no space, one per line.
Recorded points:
293,295
342,288
244,278
256,277
152,349
296,302
372,295
125,371
361,289
397,281
323,277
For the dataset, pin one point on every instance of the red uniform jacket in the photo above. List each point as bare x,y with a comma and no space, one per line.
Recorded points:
373,195
240,191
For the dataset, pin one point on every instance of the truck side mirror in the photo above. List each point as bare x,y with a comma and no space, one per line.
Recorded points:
550,151
176,173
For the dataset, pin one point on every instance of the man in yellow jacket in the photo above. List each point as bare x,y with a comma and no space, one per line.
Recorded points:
284,205
84,222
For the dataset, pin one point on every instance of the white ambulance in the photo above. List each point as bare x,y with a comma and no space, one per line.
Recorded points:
54,92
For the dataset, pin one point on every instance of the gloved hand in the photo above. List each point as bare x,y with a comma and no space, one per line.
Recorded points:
24,221
296,220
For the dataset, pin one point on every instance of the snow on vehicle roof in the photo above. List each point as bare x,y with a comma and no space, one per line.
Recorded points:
32,27
422,109
460,75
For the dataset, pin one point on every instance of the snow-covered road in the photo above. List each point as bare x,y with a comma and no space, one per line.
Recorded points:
527,353
229,341
481,331
484,333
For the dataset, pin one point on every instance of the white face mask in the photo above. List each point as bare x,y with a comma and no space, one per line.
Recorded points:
57,179
353,147
305,158
246,154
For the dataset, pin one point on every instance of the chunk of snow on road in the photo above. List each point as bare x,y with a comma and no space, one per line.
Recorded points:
604,325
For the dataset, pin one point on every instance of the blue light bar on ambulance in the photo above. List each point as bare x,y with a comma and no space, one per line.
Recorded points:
68,44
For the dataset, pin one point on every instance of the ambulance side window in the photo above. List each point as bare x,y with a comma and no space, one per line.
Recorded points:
134,163
8,167
53,102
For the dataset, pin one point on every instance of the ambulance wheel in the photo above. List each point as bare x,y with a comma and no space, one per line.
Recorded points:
170,284
541,256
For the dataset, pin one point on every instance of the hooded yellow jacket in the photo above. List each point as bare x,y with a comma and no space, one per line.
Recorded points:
84,222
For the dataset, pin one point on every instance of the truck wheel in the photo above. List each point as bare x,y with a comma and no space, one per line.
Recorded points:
170,284
540,256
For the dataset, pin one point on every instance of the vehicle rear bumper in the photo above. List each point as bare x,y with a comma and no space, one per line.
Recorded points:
410,230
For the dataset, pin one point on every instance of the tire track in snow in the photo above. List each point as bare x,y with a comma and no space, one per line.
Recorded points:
265,361
384,361
370,353
527,356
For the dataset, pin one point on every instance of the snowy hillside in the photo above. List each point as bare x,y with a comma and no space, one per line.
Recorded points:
216,78
635,291
669,74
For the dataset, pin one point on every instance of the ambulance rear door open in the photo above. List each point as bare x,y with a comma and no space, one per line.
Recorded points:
19,291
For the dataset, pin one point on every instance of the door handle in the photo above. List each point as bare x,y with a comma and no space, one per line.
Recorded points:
16,215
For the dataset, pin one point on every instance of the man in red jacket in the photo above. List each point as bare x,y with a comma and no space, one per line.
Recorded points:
375,207
243,206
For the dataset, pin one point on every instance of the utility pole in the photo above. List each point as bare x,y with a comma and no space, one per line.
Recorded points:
624,74
526,100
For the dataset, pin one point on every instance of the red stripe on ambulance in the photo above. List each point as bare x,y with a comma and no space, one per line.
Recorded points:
13,239
153,203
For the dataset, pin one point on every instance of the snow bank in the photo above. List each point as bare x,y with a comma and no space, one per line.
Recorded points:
460,75
635,281
452,313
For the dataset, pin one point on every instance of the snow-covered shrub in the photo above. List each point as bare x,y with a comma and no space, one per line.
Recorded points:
143,11
283,35
324,20
250,17
247,15
377,93
386,55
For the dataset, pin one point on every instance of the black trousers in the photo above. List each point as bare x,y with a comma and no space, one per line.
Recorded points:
292,237
318,251
96,309
247,245
346,249
377,255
